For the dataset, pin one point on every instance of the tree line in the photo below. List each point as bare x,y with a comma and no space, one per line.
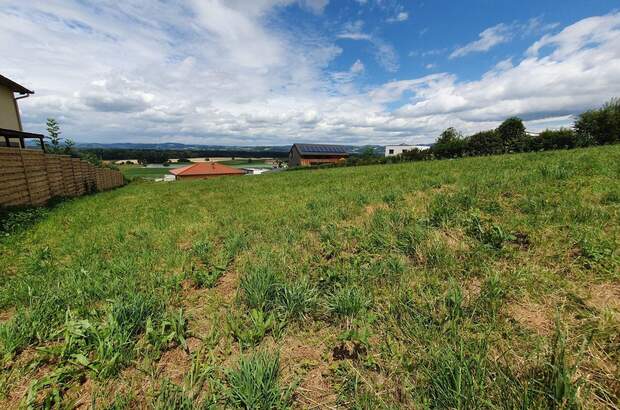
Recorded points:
156,156
594,127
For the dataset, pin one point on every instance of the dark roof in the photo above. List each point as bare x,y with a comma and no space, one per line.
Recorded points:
13,86
321,149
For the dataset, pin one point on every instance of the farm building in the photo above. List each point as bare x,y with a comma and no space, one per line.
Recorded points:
203,170
315,154
11,132
393,150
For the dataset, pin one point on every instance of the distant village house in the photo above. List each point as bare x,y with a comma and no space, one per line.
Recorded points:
11,132
393,150
316,154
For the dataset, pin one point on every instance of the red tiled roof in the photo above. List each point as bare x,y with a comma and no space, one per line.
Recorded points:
206,168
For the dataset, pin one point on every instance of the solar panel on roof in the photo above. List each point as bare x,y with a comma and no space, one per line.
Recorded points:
319,148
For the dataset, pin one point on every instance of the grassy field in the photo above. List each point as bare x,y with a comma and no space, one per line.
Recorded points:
476,283
243,163
138,171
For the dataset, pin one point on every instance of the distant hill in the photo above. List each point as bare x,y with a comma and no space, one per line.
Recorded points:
197,147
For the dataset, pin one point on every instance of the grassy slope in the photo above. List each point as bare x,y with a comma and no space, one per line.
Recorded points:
476,282
137,171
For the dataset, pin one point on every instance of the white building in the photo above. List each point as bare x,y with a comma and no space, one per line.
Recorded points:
256,171
393,150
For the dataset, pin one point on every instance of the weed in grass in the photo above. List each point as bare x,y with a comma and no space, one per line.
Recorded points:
392,198
255,383
202,250
491,297
555,171
259,288
172,330
490,235
349,301
410,238
297,300
49,391
560,382
250,329
205,277
188,395
593,251
457,376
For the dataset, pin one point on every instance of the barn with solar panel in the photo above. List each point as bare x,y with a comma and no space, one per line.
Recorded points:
302,155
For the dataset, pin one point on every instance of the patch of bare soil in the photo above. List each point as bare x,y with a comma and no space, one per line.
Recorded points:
308,361
174,364
605,296
227,286
454,240
471,289
85,395
532,316
6,315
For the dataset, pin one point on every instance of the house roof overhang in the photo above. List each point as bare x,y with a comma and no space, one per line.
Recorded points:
13,86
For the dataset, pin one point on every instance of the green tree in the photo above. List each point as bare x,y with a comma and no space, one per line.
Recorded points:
601,126
449,136
512,133
53,132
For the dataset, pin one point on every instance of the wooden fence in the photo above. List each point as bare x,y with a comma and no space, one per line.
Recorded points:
30,177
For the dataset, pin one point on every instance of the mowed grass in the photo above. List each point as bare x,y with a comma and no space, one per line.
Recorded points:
487,282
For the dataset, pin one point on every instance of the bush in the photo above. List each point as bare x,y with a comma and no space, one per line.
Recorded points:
600,126
560,139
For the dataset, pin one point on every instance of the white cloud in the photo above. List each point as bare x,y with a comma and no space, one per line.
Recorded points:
346,76
488,39
503,33
385,54
221,72
402,16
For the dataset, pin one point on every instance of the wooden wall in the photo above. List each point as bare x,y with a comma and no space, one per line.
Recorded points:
31,177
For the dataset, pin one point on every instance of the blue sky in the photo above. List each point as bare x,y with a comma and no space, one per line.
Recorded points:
263,72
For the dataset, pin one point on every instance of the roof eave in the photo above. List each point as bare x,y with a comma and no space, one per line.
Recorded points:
13,86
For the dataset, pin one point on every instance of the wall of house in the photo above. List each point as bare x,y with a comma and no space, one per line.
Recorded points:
318,161
294,159
9,117
393,150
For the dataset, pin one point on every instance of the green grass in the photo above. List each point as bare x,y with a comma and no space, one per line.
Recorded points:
137,171
488,282
245,163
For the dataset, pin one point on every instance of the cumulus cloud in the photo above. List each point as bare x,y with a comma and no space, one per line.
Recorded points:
221,72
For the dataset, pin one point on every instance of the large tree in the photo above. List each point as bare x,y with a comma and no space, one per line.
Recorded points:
512,133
